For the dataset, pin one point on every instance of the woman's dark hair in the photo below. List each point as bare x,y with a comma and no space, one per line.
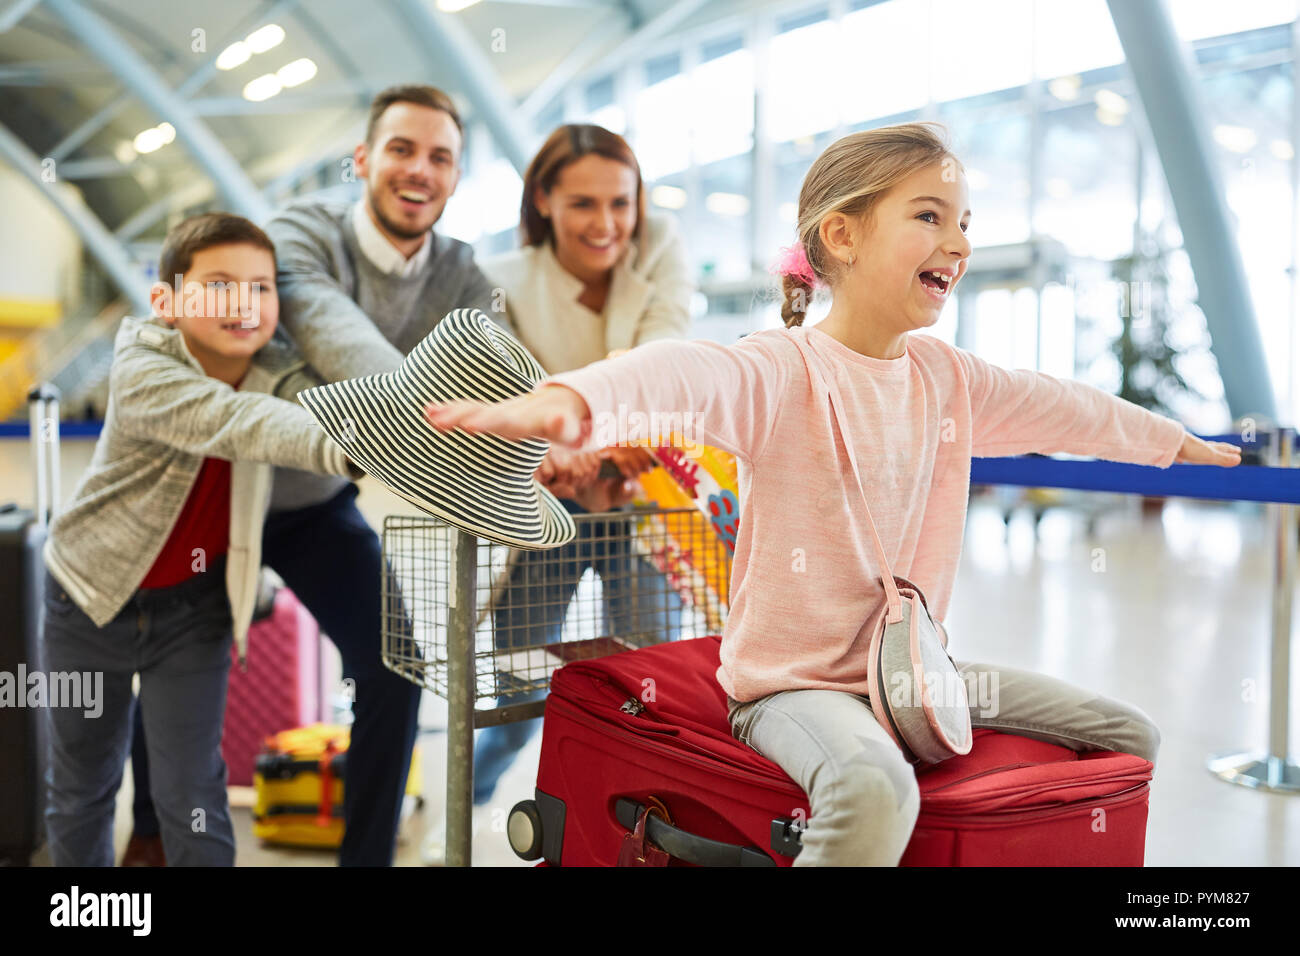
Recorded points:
567,145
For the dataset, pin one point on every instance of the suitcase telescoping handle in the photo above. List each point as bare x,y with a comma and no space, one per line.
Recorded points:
688,847
43,406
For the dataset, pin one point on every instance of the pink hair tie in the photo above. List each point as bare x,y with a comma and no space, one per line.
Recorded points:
793,261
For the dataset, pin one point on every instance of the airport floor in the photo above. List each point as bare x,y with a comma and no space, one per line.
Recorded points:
1169,611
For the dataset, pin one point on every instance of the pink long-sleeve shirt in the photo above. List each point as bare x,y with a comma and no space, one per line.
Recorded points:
805,585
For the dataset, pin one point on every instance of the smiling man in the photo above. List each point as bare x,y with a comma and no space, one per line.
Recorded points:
360,285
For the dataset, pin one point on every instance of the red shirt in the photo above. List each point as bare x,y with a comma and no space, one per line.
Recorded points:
204,523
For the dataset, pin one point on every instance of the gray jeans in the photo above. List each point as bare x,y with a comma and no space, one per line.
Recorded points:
862,793
178,639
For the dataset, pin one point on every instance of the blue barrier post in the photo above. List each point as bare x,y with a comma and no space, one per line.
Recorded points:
1273,771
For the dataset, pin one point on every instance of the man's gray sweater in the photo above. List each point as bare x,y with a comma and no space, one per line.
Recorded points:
348,318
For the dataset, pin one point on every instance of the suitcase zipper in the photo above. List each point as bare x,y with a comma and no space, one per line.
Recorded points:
1037,790
1018,766
632,705
1000,817
652,744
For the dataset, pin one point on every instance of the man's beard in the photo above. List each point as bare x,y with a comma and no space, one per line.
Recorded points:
397,229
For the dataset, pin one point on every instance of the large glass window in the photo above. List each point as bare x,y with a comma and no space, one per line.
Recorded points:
980,47
722,219
723,105
802,82
1074,37
1250,116
485,204
659,135
993,145
790,162
1198,19
1089,177
601,106
882,75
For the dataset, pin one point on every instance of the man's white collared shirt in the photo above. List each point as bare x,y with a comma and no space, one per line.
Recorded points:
381,253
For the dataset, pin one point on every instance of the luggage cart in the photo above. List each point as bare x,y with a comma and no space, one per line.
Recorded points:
468,618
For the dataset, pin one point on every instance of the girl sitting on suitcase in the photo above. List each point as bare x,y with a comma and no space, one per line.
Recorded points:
882,221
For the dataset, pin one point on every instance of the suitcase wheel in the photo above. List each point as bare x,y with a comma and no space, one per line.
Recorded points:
524,830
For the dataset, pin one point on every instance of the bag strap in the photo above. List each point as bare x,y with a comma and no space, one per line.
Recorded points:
893,601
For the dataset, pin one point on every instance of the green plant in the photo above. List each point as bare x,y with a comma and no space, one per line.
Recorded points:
1149,375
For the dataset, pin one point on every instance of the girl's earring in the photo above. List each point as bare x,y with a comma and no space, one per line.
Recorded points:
852,258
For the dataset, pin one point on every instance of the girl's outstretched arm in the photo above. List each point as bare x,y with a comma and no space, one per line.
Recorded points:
726,396
1022,411
553,412
1197,451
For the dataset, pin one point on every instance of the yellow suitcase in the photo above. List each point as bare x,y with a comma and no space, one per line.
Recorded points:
298,780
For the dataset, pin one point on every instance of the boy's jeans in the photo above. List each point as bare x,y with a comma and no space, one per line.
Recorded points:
862,793
178,639
639,606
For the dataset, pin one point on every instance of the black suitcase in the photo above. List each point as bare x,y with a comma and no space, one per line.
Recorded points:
24,730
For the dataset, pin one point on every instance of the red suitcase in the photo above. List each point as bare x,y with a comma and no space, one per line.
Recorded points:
279,688
653,723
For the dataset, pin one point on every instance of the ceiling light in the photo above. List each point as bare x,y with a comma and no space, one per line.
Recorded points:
124,152
1111,102
1282,149
1057,188
149,140
263,39
234,55
1235,139
297,72
668,197
262,88
167,131
1109,117
726,204
1064,87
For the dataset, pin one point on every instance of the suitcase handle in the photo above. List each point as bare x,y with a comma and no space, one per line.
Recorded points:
43,412
686,846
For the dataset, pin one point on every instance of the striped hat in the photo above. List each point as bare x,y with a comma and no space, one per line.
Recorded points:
479,483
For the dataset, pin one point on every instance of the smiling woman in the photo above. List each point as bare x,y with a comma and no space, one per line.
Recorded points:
596,275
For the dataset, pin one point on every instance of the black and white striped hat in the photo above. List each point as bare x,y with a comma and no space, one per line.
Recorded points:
479,483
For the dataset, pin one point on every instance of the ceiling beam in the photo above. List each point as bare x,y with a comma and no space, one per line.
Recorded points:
192,84
51,73
1171,102
652,30
446,42
14,15
573,62
141,79
325,97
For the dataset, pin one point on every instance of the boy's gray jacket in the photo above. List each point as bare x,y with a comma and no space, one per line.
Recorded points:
165,415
